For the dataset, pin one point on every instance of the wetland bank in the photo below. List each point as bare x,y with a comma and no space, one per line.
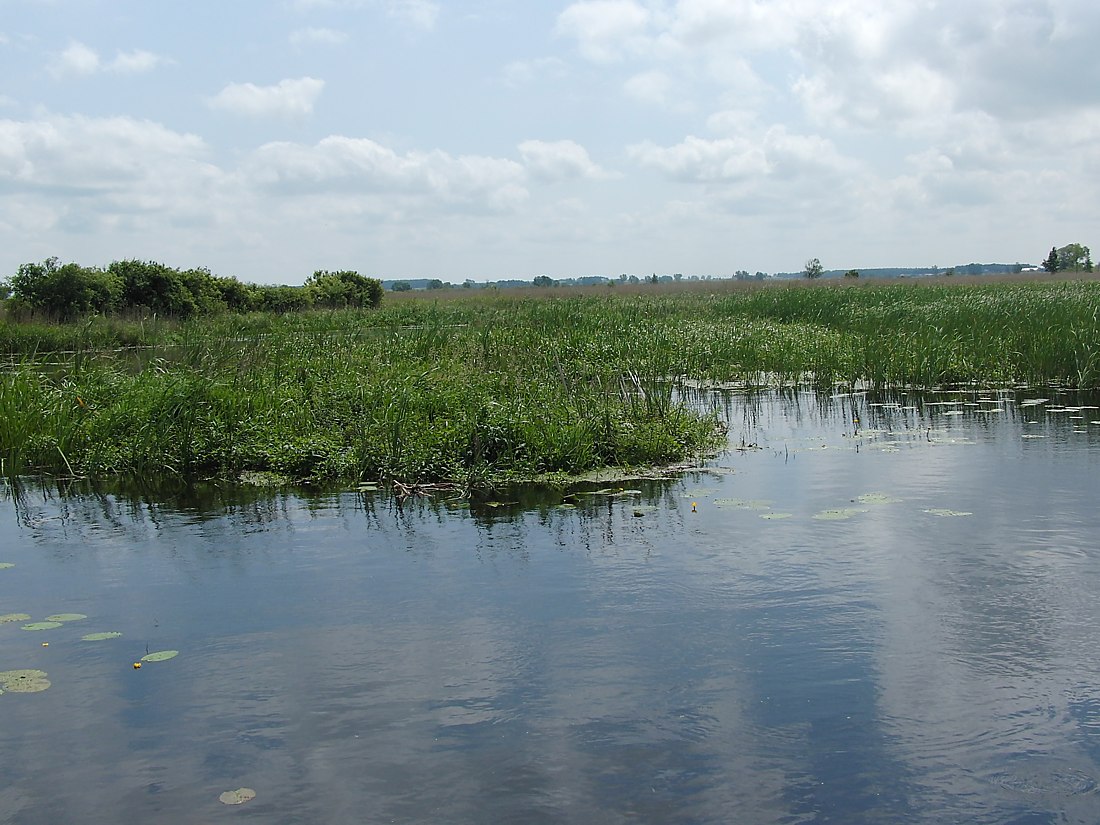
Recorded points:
484,388
871,600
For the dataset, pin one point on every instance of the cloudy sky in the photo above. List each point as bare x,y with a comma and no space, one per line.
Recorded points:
492,139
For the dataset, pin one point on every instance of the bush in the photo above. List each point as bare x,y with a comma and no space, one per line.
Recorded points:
64,290
344,289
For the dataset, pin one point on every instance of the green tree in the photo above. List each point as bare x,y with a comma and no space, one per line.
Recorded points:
279,298
401,286
1073,257
813,269
543,280
344,288
63,290
1051,262
435,283
852,273
158,288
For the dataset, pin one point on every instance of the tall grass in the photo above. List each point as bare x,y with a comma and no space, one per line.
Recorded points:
487,386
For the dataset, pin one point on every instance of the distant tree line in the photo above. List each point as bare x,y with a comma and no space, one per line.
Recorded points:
1072,257
67,291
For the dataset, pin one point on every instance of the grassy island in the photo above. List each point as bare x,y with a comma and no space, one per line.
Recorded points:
483,385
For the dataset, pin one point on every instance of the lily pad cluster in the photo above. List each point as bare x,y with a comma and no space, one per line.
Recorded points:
237,797
23,681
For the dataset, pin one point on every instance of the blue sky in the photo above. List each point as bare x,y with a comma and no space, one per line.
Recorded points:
488,139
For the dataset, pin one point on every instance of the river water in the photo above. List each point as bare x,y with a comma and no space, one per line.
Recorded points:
869,609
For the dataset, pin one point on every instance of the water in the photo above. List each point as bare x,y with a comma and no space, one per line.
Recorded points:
879,610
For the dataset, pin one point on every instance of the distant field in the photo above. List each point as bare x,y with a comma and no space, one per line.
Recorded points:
476,386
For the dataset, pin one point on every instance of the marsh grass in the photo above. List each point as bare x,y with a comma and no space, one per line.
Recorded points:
484,386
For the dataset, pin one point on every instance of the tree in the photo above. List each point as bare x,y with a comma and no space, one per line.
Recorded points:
1073,257
435,283
852,273
63,290
1051,262
813,269
543,280
344,289
401,286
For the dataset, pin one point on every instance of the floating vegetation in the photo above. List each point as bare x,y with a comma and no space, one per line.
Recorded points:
944,513
23,681
237,797
9,618
839,513
368,488
877,498
66,617
6,565
41,625
776,516
743,504
160,656
101,637
263,478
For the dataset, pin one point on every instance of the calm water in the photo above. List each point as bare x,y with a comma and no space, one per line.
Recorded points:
894,620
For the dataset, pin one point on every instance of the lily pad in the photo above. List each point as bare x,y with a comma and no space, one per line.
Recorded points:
6,565
66,617
943,513
23,681
41,625
101,637
9,618
160,656
743,504
877,498
839,513
776,516
237,797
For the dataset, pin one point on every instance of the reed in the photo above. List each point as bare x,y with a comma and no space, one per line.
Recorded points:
492,386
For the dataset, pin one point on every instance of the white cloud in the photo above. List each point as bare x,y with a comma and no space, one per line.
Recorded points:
76,59
606,30
419,13
80,59
345,166
287,98
301,38
649,87
698,159
522,72
134,62
559,160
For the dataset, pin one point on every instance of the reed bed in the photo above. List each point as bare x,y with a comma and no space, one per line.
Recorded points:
483,387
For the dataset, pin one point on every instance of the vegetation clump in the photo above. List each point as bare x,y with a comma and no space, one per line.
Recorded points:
476,386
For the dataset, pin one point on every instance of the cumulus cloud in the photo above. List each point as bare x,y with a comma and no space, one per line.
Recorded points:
84,173
606,30
419,13
698,159
287,98
649,87
301,38
81,59
522,72
559,160
357,166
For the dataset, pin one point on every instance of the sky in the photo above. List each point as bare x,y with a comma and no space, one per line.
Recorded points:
495,139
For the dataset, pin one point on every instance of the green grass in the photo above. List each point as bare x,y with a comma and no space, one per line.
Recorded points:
484,387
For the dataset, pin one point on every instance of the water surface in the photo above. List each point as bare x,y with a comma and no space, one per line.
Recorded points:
871,608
